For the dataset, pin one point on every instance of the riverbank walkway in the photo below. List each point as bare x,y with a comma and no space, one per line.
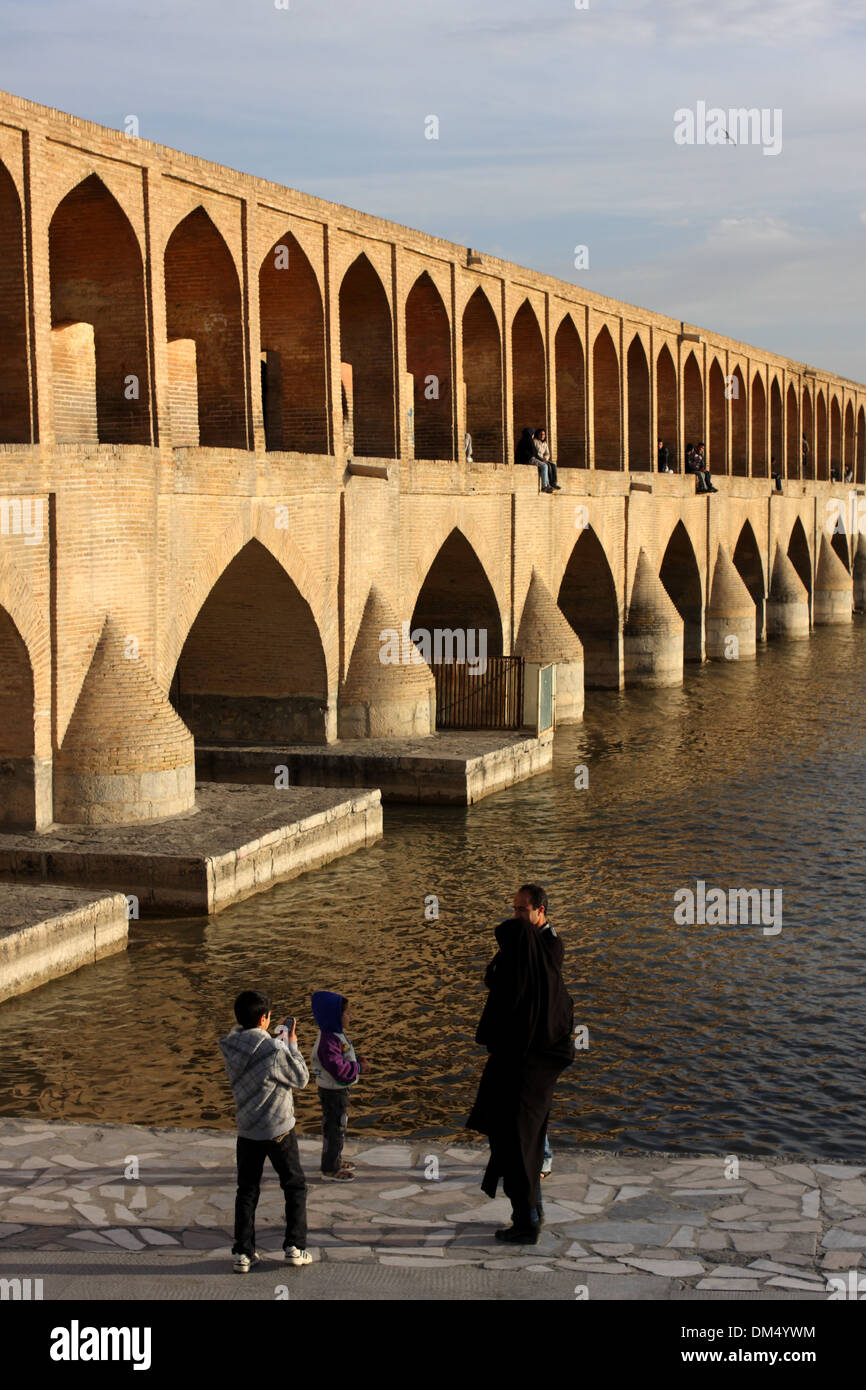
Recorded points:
134,1212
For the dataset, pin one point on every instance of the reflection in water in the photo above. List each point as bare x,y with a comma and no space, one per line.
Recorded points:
712,1038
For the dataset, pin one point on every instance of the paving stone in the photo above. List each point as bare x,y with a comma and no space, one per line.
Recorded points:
126,1239
683,1238
415,1262
630,1232
840,1259
713,1240
625,1194
748,1241
729,1285
606,1248
395,1193
92,1213
735,1213
783,1282
811,1202
349,1252
598,1194
9,1228
70,1161
156,1237
771,1267
390,1156
837,1239
836,1170
175,1194
669,1269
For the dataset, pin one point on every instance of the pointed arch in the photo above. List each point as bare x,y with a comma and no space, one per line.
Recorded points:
807,442
17,729
777,428
457,594
667,409
747,558
15,414
681,576
203,309
849,452
693,400
587,597
822,440
640,451
101,372
606,402
529,393
801,558
739,425
861,445
717,457
252,669
759,427
293,366
570,396
428,359
836,468
367,347
482,376
792,432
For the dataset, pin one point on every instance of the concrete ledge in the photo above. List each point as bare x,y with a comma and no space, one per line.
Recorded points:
47,932
455,768
238,842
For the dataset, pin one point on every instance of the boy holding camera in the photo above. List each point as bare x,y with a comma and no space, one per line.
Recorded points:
262,1071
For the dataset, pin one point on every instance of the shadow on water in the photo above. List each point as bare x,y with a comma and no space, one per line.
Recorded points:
715,1038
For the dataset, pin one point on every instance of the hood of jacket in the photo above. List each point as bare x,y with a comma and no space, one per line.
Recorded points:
328,1010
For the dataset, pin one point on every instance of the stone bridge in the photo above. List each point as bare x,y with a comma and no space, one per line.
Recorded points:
232,445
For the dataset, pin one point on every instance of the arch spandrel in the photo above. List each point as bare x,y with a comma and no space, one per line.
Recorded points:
226,221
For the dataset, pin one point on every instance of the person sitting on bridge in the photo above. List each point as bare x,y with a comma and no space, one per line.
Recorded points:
525,453
702,470
542,452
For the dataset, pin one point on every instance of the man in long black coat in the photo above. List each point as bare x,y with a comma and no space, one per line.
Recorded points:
527,1027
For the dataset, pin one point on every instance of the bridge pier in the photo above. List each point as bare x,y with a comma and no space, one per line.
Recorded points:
860,575
788,603
731,615
653,633
834,595
389,691
546,636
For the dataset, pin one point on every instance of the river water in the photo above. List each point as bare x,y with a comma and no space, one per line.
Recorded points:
720,1038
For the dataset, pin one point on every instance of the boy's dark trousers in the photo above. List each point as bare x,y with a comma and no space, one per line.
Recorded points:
283,1153
335,1106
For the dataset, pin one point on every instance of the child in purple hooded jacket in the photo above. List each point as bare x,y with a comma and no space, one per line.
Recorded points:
336,1068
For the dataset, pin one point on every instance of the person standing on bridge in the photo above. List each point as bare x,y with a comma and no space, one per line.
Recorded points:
664,457
526,1026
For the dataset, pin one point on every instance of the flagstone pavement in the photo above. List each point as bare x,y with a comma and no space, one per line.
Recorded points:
85,1206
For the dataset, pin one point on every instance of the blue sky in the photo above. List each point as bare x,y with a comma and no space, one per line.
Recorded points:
555,129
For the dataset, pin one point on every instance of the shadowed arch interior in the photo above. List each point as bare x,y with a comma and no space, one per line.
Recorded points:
792,424
798,554
739,425
457,595
666,406
693,401
570,396
97,278
482,376
17,742
203,306
366,345
606,402
849,453
861,445
294,385
528,372
759,428
836,467
15,422
776,427
681,577
822,453
718,441
587,597
839,539
428,358
640,452
747,558
807,451
252,670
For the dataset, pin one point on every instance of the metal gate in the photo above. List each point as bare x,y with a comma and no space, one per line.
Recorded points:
492,699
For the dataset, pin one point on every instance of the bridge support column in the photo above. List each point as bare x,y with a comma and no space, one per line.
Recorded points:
389,691
731,614
834,593
545,636
653,633
126,755
788,601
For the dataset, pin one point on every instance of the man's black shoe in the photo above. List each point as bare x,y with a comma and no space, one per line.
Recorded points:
519,1235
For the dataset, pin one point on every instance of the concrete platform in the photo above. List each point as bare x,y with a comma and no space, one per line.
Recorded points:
239,841
456,768
47,932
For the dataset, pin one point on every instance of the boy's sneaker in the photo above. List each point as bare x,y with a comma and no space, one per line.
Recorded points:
341,1175
297,1257
244,1263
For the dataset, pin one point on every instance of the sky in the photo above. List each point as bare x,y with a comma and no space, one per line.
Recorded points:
555,130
